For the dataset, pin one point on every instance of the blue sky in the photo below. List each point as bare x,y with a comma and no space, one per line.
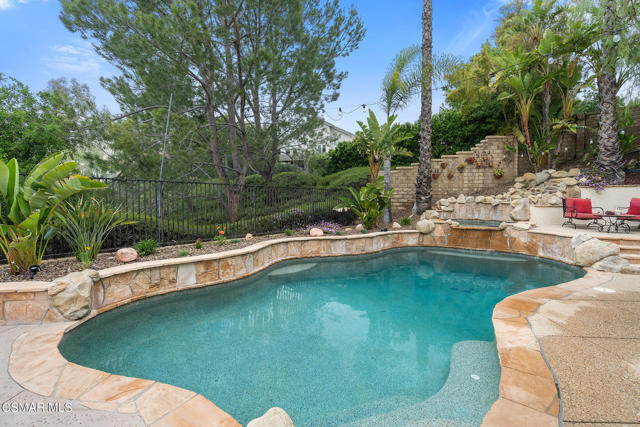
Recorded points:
37,47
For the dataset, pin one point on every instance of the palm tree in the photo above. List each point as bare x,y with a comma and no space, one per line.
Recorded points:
423,180
398,87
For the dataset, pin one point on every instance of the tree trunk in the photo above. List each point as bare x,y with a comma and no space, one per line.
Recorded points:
610,159
387,185
374,169
232,206
269,192
423,181
546,122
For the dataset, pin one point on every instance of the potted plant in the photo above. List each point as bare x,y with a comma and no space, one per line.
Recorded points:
470,160
450,175
498,173
435,175
461,167
443,165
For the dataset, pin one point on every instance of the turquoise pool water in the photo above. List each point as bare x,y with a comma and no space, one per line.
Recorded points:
395,338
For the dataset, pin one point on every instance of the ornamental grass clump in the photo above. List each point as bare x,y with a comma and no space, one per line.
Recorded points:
85,223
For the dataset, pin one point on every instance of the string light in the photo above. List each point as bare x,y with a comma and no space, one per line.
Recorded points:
616,37
550,59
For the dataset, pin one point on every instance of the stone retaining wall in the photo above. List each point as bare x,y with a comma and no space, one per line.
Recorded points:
29,303
489,155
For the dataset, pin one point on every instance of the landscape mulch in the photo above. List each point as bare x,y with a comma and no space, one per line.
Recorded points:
54,268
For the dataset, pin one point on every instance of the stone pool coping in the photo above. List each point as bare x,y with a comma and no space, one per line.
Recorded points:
527,387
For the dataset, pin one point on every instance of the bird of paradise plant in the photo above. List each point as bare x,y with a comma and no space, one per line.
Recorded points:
26,225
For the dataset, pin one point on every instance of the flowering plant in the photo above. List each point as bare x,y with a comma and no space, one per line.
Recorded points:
595,178
326,226
220,239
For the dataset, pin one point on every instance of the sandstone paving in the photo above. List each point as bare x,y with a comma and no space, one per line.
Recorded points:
12,393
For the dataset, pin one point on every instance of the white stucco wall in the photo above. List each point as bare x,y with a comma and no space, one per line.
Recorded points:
612,197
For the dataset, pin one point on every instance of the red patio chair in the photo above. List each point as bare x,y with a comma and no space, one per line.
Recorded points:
580,209
633,212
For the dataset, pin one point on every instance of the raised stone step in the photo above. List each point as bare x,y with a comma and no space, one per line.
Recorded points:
632,258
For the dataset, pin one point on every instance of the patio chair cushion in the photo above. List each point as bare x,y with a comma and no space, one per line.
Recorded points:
579,208
634,207
581,215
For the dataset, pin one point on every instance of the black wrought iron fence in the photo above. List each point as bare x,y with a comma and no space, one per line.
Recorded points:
174,212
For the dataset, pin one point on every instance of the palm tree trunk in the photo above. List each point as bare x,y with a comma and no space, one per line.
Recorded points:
387,185
546,121
423,181
610,158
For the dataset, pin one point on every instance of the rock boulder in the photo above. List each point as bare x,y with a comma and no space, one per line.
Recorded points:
274,417
126,255
71,295
521,211
316,232
594,250
425,226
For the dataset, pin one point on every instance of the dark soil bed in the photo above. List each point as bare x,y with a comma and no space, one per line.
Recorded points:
54,268
632,178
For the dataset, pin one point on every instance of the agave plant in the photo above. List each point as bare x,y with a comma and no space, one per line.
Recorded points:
25,227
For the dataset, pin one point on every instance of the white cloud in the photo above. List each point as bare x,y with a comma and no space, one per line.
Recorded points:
8,4
477,27
73,59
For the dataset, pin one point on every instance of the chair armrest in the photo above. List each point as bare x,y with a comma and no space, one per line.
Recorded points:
597,207
573,212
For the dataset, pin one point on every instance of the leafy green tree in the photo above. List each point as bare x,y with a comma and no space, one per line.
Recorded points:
346,155
34,125
222,61
605,33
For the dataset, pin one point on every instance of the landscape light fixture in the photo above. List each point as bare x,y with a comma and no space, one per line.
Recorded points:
33,270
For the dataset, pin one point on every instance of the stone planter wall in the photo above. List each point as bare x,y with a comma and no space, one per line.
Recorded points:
29,303
471,179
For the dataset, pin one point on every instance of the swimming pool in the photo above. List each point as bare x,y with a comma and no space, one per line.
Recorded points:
402,336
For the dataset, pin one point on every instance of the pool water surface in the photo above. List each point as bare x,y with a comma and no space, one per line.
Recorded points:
403,336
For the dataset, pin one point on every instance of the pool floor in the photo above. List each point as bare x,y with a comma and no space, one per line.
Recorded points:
395,338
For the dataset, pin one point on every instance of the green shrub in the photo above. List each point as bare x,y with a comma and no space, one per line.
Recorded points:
354,177
345,156
368,203
84,224
234,241
198,244
405,221
254,179
294,179
183,252
29,207
146,247
288,232
285,179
